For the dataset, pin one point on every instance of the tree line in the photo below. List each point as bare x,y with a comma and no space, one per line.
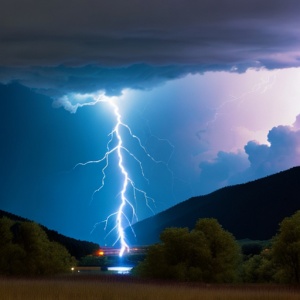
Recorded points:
76,248
25,249
208,253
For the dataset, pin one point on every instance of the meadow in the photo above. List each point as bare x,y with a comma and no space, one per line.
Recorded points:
93,287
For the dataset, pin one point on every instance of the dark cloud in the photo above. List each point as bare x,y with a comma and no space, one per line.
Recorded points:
297,123
231,168
285,147
193,36
118,32
283,152
257,154
60,80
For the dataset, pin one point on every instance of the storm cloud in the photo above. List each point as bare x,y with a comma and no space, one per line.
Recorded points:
283,152
62,46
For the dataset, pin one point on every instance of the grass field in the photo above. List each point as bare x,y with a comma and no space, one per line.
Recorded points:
93,287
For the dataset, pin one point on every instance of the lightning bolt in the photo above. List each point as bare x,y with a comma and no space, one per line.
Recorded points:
116,146
264,84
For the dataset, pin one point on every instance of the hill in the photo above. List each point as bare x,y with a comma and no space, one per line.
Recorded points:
249,211
75,247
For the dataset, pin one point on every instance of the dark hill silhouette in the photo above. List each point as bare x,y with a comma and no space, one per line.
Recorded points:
249,211
76,248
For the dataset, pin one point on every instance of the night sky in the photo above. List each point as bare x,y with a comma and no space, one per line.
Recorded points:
210,88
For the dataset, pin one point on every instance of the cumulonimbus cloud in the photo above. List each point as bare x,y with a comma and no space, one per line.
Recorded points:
62,46
283,152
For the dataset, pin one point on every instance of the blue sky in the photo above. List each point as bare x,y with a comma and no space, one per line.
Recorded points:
211,89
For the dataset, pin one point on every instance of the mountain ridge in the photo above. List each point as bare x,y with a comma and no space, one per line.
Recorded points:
76,248
250,210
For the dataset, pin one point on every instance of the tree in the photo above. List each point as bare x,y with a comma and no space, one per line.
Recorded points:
6,235
286,250
207,254
11,254
59,259
35,243
26,250
224,252
259,268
